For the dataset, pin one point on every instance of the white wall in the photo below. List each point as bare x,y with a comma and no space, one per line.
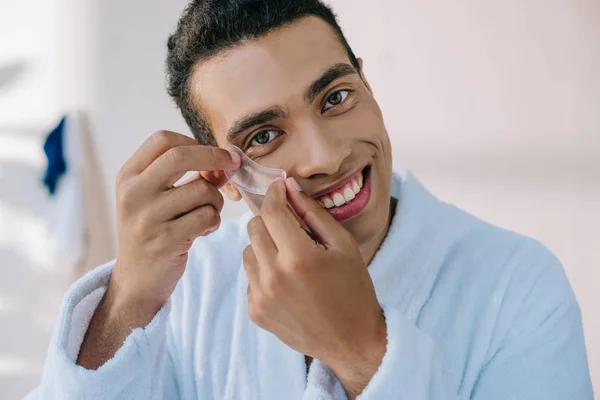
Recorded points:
29,288
131,101
494,105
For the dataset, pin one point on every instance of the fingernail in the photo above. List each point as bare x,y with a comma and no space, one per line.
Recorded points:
235,157
294,185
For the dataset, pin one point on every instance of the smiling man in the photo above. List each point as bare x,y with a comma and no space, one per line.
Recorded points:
393,295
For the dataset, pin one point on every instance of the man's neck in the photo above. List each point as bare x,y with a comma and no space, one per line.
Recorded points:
369,249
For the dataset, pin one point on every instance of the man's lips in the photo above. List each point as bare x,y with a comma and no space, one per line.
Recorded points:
339,184
348,196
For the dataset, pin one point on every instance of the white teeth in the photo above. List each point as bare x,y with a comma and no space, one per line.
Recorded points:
338,199
348,194
355,187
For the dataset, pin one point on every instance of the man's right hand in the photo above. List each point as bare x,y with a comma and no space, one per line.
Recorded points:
157,224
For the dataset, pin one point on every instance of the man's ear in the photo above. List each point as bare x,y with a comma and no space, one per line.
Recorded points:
362,74
231,192
219,180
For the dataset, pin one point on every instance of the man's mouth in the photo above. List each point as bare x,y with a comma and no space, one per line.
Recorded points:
349,199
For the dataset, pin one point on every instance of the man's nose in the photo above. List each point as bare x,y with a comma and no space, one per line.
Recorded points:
321,152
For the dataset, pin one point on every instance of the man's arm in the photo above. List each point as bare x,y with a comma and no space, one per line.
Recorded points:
129,373
112,322
157,224
124,349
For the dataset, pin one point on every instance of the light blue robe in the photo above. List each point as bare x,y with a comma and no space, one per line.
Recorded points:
472,312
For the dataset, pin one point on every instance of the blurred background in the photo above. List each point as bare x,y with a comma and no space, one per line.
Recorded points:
494,105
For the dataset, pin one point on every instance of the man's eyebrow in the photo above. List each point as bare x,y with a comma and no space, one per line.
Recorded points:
248,121
333,73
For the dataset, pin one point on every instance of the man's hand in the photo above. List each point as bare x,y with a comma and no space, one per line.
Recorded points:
157,224
316,296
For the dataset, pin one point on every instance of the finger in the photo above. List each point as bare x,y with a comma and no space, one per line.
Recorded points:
329,231
175,162
152,148
251,266
262,244
199,222
284,229
176,202
252,289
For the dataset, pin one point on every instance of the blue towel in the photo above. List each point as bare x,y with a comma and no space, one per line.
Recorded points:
53,147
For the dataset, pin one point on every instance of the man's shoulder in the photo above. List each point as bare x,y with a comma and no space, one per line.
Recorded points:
504,261
518,282
465,243
482,239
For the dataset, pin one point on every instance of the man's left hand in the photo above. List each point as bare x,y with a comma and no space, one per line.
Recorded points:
315,295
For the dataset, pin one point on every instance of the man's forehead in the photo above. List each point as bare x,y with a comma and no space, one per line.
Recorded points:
259,74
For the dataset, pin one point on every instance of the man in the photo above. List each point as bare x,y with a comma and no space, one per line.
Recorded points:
396,295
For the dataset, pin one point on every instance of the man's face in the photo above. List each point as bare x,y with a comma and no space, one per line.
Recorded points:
292,100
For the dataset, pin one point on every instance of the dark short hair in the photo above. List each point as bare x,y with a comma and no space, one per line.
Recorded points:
208,27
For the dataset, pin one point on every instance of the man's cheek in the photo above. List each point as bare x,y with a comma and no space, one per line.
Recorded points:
365,123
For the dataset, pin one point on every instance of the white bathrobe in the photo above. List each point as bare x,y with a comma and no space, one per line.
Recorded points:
472,311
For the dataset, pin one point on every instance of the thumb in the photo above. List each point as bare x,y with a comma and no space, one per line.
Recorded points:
329,232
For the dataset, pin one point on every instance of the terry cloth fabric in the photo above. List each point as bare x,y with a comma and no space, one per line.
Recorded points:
472,312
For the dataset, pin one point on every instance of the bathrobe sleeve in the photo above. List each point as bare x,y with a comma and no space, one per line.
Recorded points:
141,369
542,355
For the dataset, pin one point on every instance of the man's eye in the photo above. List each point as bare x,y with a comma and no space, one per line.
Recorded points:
263,137
336,98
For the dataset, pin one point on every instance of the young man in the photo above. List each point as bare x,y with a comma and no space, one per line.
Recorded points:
396,296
